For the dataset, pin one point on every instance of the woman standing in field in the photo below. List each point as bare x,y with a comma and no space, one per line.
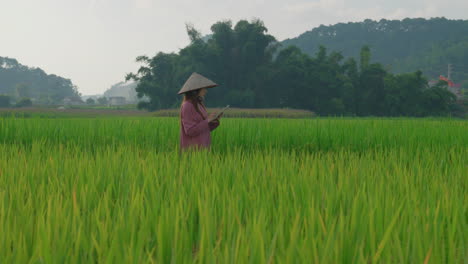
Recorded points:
196,125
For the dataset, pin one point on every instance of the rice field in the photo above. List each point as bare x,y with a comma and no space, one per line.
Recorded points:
247,113
131,111
335,190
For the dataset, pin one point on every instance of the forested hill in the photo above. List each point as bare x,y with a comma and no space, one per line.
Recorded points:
19,81
402,46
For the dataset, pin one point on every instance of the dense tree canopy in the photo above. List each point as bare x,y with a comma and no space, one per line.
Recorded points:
245,61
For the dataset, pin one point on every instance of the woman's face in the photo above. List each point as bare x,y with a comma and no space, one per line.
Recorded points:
202,92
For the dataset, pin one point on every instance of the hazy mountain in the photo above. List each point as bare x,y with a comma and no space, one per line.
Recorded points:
123,89
402,46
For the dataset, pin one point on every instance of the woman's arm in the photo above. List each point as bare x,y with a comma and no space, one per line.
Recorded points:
192,122
213,124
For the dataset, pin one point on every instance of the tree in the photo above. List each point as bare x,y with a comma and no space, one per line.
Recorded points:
406,45
20,81
365,57
102,100
22,90
24,102
437,100
90,101
159,80
465,85
287,87
371,85
4,101
243,60
351,85
404,93
233,57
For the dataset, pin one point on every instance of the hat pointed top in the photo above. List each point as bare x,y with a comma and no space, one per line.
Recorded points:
195,82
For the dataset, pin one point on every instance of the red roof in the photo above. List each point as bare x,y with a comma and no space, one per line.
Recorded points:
450,83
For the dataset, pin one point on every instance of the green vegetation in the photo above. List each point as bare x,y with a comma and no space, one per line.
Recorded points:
246,113
245,61
19,81
5,101
73,112
130,110
270,191
403,46
24,102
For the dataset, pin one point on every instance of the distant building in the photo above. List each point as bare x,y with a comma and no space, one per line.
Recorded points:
452,87
117,100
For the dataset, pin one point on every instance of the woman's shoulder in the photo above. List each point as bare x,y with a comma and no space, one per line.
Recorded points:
190,104
187,106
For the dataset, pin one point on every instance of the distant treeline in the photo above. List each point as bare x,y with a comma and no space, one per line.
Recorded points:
19,82
402,46
253,72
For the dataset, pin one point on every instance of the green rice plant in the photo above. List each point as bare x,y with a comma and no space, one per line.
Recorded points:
246,113
162,134
111,190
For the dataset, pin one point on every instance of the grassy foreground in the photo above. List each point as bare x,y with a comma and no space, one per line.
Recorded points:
112,190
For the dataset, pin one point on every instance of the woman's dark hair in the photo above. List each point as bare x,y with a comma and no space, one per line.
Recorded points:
195,99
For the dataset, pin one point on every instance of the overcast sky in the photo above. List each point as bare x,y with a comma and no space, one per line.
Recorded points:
95,42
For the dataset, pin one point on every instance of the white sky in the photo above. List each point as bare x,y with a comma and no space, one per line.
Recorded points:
95,42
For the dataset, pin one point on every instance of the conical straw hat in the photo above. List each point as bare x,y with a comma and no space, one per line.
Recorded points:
195,82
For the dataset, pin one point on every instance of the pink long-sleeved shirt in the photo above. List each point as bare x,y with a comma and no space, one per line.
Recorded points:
195,129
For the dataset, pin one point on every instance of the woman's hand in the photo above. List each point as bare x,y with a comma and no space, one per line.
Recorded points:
214,123
212,118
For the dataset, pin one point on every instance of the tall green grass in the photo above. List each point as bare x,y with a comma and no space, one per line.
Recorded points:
162,134
270,191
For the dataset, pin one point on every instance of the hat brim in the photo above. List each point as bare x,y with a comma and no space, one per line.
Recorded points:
205,87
